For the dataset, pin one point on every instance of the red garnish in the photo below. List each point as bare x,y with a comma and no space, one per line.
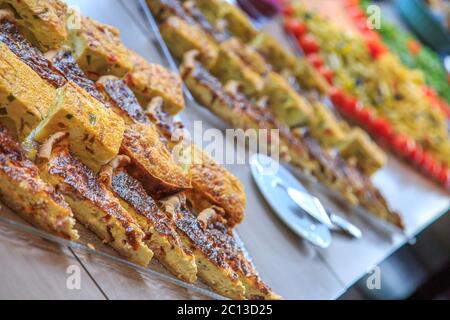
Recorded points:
308,44
129,80
364,116
112,59
338,97
382,128
295,27
375,46
315,59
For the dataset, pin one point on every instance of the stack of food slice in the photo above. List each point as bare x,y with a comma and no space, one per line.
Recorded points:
96,148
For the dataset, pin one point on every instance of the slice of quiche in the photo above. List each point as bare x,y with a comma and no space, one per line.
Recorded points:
122,99
163,9
160,234
152,163
63,61
95,131
98,49
26,80
222,236
180,37
12,37
148,80
92,203
43,21
325,127
26,193
236,21
358,147
212,184
273,52
230,66
211,261
286,104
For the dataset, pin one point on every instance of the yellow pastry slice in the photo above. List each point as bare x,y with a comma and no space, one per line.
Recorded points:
211,261
92,203
95,131
44,22
180,37
358,147
230,66
148,80
222,236
152,163
160,234
27,194
286,104
98,49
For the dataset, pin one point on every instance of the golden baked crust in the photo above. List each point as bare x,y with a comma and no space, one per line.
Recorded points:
65,63
180,37
44,20
151,161
11,36
25,192
122,99
94,205
160,234
214,185
222,236
26,79
95,131
98,49
24,96
211,261
148,80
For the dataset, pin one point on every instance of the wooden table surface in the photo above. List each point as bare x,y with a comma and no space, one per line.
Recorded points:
35,268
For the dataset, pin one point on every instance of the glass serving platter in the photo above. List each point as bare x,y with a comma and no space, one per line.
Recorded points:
89,246
332,199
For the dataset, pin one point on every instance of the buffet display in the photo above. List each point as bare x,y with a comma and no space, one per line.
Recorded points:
91,135
86,136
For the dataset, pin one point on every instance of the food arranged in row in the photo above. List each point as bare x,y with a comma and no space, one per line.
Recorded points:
87,133
245,77
374,89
